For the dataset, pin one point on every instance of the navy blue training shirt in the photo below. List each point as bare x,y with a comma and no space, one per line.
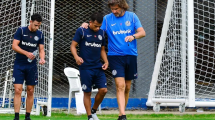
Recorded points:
90,44
29,41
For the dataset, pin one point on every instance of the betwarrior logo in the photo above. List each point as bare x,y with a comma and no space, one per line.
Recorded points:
29,44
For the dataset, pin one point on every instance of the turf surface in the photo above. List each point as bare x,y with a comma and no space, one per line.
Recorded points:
63,116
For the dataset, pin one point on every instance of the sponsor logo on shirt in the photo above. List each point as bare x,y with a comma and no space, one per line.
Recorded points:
89,35
29,44
25,35
92,44
121,32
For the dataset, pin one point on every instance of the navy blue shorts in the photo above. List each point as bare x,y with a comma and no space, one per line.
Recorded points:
92,78
123,66
27,72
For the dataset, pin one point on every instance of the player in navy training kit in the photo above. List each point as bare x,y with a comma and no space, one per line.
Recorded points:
26,41
123,28
92,48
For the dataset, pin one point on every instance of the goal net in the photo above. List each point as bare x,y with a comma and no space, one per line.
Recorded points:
184,71
14,14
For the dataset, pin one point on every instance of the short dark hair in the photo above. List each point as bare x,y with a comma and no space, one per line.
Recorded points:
121,3
36,17
96,16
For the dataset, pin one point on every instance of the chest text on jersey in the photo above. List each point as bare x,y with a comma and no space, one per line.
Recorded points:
29,44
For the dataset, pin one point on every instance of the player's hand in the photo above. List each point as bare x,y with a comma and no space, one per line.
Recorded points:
85,25
105,66
79,60
30,55
129,38
42,61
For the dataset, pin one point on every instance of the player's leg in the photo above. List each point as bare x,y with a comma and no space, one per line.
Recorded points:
120,94
87,102
99,97
30,98
130,74
29,101
18,79
86,83
100,82
117,66
31,80
17,99
127,91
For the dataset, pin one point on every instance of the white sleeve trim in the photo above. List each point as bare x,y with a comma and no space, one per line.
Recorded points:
106,23
82,32
22,30
103,33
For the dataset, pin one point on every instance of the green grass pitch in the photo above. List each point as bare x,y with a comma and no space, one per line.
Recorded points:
63,116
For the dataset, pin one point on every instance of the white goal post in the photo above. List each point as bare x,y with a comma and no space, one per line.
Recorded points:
184,71
14,14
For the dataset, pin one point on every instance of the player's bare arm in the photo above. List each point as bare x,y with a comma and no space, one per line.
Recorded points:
15,47
42,54
139,34
73,49
104,57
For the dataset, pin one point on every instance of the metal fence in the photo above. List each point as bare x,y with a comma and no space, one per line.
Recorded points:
70,14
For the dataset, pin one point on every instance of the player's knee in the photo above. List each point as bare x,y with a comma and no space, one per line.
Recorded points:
120,88
87,93
127,89
30,92
18,91
103,91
